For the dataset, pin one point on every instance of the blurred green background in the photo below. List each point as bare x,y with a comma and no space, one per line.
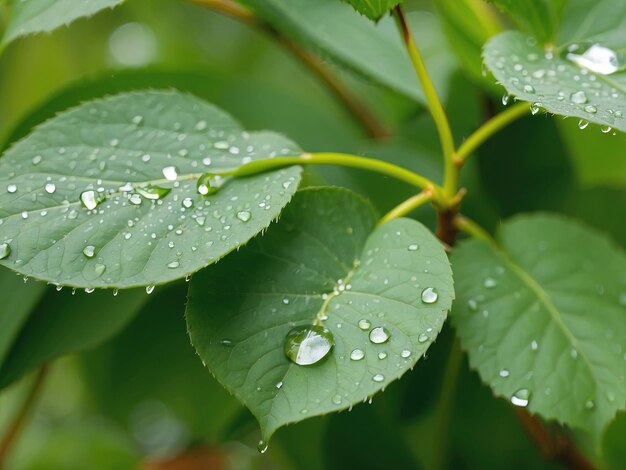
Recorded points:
143,399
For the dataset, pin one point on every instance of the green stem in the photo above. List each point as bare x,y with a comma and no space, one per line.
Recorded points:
407,206
342,159
488,129
434,105
445,406
12,433
473,229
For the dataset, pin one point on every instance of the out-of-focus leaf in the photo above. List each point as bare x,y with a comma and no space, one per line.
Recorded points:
538,17
373,9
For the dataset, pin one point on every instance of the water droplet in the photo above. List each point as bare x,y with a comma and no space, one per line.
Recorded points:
535,108
309,344
153,192
578,97
472,304
505,99
430,295
378,378
149,289
573,353
89,199
89,251
89,290
591,109
201,125
262,446
529,89
590,405
490,283
521,397
187,202
337,399
357,354
413,247
364,324
50,188
37,159
405,353
597,58
12,188
204,185
379,335
582,124
135,199
504,373
279,385
244,216
5,250
99,269
382,355
422,338
170,173
173,265
534,345
228,343
606,129
137,120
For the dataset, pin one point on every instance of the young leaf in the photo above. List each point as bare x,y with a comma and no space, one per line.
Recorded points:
373,9
557,84
539,17
64,324
366,303
376,51
106,195
542,318
36,16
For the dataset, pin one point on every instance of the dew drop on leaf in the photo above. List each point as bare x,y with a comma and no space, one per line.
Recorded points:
244,216
413,247
309,344
149,289
187,202
490,283
504,373
582,124
153,192
262,447
336,399
12,188
378,378
596,58
357,354
405,353
430,295
50,188
591,109
521,397
89,251
135,199
204,187
89,199
578,97
99,269
379,335
364,324
423,338
170,173
5,250
382,355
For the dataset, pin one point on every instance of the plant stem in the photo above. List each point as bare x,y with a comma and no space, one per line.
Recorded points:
357,109
434,105
488,129
408,205
445,406
341,159
18,422
473,229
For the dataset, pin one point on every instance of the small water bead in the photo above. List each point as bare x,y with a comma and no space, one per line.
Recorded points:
357,354
490,283
521,397
590,404
504,373
582,124
505,99
378,378
534,345
413,247
135,199
228,343
137,120
596,58
422,338
606,129
153,192
309,344
578,97
149,289
382,355
173,265
405,353
12,188
279,385
89,290
472,305
187,202
201,125
244,216
89,199
337,399
5,250
99,269
89,251
379,335
430,295
24,214
221,145
37,159
535,108
529,89
50,188
170,173
364,324
262,447
591,109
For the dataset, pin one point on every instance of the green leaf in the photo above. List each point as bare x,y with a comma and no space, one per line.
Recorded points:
376,51
542,318
64,324
373,9
127,150
539,17
584,77
326,264
37,16
19,300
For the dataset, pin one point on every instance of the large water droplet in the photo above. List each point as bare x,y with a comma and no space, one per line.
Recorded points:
597,58
12,188
309,344
379,335
5,250
204,185
50,188
591,109
89,199
422,338
364,324
262,446
89,251
378,378
153,192
357,354
521,397
413,247
170,173
430,295
135,199
578,97
504,373
187,202
582,124
244,216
